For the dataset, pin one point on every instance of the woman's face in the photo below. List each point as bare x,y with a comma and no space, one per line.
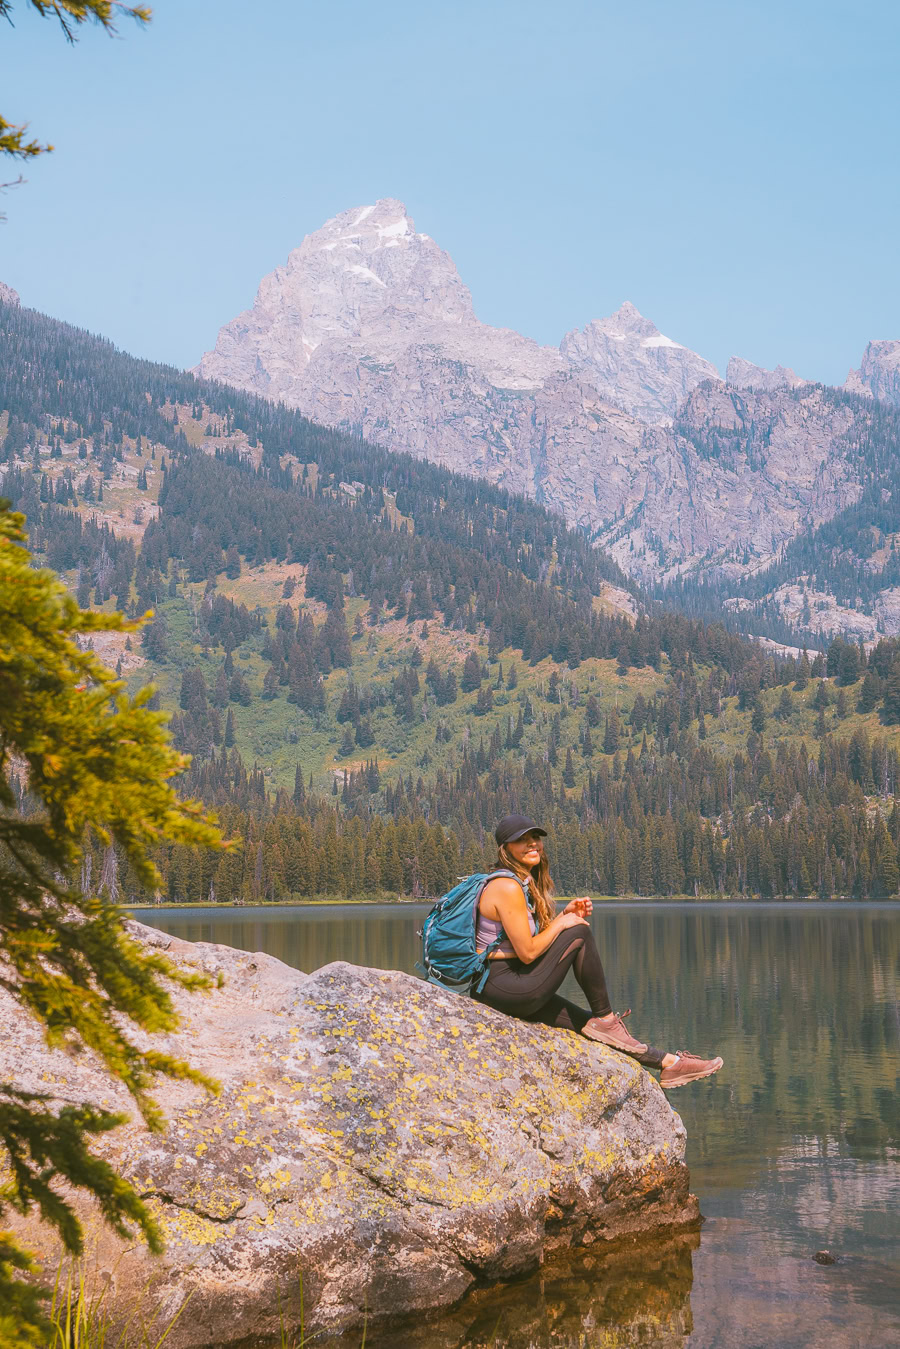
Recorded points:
528,850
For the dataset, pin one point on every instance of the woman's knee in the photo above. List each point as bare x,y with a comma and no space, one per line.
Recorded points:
570,938
586,941
570,947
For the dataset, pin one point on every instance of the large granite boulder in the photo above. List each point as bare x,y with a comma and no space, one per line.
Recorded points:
381,1142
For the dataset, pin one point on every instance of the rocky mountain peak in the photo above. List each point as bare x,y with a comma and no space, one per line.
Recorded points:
745,375
636,366
626,432
387,218
381,268
879,373
365,276
628,321
8,295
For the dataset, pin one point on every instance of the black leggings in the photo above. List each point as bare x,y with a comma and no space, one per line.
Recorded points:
529,991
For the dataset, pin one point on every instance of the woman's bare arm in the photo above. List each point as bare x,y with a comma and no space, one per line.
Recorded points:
504,901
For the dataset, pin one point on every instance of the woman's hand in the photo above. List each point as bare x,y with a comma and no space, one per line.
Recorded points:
583,906
503,900
567,919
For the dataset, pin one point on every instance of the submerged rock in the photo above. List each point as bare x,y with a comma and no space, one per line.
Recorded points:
381,1142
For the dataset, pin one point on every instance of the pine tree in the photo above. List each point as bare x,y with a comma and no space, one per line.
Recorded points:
849,665
611,734
891,702
870,692
887,871
483,702
471,675
97,761
804,884
620,866
822,696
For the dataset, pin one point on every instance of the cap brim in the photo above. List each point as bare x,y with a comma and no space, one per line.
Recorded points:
532,829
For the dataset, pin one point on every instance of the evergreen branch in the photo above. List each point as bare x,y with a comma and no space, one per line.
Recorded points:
13,143
96,762
21,1315
46,1146
72,13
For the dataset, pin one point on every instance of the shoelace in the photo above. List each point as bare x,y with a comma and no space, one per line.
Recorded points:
620,1017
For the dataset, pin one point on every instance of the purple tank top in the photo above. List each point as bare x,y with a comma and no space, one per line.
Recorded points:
487,930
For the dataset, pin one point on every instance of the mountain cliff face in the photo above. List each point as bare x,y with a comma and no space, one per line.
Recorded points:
745,375
631,436
8,295
630,362
357,298
740,473
367,297
879,373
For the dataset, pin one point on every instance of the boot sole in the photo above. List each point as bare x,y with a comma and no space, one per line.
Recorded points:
690,1077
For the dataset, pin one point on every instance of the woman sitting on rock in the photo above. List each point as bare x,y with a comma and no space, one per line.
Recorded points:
540,946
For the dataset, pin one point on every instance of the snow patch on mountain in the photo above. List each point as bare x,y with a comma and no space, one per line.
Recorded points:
634,365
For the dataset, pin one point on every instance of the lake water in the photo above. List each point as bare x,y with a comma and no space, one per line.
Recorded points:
793,1148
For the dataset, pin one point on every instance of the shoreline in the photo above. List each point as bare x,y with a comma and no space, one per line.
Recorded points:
340,902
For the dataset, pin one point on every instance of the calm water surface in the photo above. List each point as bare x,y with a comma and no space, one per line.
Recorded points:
793,1147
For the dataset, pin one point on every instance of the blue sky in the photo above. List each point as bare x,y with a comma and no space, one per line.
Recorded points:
731,167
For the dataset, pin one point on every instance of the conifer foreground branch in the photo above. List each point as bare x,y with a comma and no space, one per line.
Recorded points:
92,759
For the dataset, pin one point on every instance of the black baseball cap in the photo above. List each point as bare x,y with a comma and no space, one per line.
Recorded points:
513,827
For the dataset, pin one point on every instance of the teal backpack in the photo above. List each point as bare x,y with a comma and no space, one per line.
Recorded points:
449,958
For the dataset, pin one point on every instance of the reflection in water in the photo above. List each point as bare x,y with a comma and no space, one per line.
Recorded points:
637,1294
793,1146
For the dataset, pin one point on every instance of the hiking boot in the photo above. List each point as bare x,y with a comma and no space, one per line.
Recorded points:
610,1030
688,1068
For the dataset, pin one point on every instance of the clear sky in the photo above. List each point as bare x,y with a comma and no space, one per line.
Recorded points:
730,167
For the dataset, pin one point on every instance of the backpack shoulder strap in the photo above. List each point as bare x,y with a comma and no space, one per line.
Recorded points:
501,871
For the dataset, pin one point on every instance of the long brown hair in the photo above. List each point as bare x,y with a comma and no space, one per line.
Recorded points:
541,887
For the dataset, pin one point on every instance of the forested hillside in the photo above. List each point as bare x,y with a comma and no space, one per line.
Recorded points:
372,658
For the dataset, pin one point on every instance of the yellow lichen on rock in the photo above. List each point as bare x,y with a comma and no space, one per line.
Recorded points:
370,1124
